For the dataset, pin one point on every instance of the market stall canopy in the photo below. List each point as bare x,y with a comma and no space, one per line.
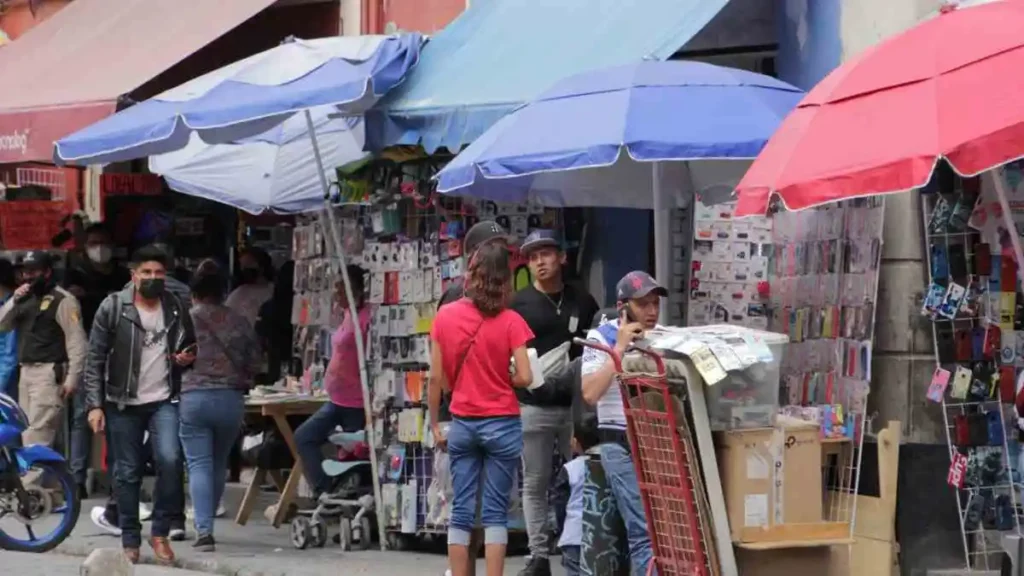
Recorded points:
501,53
591,138
69,71
949,88
250,97
269,172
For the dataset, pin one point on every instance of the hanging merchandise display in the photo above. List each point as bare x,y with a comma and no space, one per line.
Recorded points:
973,304
409,243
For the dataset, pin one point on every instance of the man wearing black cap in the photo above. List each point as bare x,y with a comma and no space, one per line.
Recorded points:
479,234
637,297
556,313
51,346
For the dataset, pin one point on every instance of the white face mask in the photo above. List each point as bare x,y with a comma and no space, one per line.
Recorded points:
99,254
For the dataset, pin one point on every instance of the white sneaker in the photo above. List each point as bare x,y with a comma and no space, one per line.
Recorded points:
145,512
177,535
98,516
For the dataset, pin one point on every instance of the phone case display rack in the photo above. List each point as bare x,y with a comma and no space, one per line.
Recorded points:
410,244
972,301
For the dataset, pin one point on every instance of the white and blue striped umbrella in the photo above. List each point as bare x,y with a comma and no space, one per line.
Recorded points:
250,97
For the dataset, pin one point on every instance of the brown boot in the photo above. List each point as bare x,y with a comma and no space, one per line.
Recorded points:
162,550
132,555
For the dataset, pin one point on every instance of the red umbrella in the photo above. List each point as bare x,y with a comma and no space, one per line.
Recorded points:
951,87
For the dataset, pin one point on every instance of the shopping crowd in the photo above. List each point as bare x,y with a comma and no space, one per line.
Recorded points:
158,360
495,406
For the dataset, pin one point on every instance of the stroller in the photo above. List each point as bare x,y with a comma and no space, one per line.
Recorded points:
350,502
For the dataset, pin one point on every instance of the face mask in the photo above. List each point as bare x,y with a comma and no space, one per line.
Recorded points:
151,288
39,285
250,275
99,254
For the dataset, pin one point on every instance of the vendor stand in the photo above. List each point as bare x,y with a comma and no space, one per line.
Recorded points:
936,94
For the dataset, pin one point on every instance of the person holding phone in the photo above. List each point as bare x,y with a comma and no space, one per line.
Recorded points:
637,297
472,342
142,341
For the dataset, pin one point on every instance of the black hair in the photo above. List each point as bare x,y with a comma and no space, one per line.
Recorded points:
209,282
357,276
97,228
585,431
263,260
7,279
150,253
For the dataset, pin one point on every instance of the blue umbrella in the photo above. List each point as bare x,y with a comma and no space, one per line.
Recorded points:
250,97
579,143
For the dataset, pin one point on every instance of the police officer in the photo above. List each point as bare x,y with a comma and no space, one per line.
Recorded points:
51,346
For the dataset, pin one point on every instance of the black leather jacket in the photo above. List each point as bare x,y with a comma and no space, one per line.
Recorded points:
115,347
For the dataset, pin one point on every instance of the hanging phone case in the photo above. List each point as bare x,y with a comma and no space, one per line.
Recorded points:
995,428
1007,384
957,261
993,342
961,431
944,343
963,340
1008,276
940,262
982,259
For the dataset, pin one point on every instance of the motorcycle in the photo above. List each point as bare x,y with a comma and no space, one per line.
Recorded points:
35,486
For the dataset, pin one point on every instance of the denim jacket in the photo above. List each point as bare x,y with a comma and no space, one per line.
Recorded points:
8,359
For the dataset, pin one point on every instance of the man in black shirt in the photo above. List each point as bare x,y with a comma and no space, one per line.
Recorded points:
556,313
478,234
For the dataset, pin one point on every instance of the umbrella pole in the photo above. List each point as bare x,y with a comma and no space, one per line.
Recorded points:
662,241
999,181
354,314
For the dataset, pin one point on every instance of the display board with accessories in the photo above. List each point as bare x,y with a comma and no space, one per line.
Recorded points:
411,242
972,302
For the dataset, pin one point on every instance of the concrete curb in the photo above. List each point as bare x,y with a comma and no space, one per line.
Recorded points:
217,567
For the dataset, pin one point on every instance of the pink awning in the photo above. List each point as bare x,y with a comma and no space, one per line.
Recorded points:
69,71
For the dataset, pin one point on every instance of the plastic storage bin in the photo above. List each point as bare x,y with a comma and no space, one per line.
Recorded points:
749,398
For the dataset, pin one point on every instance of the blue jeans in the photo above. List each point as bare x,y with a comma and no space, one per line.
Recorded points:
621,473
490,447
81,441
210,423
311,436
127,431
571,560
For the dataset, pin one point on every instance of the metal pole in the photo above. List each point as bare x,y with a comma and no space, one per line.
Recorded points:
354,314
662,242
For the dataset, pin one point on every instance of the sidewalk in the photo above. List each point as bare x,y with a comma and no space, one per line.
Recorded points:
258,549
57,565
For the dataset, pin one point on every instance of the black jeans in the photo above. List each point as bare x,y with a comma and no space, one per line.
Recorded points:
127,431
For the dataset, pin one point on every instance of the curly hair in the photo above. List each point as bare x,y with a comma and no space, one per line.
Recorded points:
489,281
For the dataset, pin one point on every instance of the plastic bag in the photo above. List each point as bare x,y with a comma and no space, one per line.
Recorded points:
440,492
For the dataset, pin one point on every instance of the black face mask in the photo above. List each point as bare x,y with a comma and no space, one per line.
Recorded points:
40,285
249,275
151,288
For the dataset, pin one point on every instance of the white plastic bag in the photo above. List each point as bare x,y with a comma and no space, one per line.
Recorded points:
440,492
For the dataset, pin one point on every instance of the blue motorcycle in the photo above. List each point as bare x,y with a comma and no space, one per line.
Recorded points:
36,489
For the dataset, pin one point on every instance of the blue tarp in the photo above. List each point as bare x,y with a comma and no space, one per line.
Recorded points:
502,53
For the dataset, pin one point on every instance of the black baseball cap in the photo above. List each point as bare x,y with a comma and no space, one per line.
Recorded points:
540,239
637,284
36,259
482,233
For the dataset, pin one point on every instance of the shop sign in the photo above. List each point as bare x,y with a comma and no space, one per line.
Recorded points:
15,141
131,185
957,470
28,136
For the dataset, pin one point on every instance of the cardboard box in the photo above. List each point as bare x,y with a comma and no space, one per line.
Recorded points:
771,477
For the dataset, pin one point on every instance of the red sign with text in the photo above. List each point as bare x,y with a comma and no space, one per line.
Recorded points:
957,470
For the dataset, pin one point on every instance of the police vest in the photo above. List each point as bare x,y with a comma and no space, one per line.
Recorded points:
40,337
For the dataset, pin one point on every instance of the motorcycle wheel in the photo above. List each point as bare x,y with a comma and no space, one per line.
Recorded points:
67,506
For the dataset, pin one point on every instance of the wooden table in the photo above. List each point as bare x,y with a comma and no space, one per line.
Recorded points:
278,409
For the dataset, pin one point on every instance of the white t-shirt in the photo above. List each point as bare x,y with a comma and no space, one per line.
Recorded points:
154,371
572,532
609,407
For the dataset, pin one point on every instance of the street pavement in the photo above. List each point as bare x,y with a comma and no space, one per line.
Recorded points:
257,549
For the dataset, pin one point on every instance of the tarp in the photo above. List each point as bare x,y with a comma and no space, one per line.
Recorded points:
69,71
502,53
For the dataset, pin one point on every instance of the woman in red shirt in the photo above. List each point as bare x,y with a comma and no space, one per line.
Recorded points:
472,341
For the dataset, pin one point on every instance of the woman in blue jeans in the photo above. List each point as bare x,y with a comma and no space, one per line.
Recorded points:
213,395
473,340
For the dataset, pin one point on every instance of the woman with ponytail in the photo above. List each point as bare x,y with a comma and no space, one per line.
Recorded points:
472,343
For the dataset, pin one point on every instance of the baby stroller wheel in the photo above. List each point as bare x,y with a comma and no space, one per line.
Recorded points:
345,534
318,534
301,532
365,533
